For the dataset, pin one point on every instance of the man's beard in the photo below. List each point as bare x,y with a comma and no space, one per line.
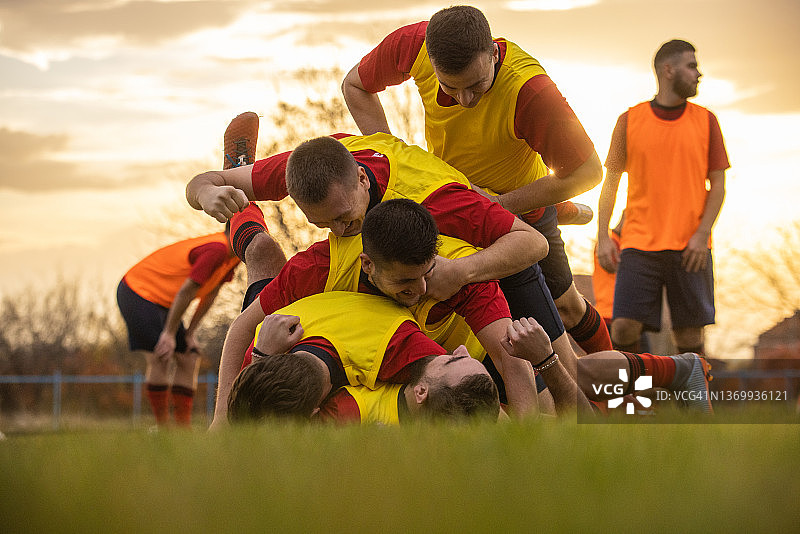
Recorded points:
684,89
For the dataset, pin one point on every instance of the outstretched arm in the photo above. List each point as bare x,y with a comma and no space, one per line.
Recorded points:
365,107
552,189
240,335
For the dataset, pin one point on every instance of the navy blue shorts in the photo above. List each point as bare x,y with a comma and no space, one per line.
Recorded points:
145,320
253,291
555,265
527,295
641,275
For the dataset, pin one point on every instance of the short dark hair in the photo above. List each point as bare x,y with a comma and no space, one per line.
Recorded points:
400,230
475,396
456,36
316,164
275,387
669,50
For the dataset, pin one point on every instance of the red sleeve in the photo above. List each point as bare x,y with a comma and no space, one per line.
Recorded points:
717,155
618,151
407,345
462,213
545,121
304,274
479,304
205,259
390,62
341,407
269,177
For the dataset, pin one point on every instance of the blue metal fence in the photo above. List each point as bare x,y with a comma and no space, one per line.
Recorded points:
57,380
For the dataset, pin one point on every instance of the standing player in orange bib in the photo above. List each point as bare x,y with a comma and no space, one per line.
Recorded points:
675,158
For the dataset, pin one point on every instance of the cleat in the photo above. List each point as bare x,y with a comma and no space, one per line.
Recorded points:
240,140
693,393
573,213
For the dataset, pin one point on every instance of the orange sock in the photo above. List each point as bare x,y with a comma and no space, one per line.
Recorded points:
183,400
158,397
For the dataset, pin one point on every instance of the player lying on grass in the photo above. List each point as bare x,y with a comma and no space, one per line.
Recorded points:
298,363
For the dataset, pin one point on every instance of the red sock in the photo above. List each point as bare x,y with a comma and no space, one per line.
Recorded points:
661,368
182,400
245,225
159,402
591,332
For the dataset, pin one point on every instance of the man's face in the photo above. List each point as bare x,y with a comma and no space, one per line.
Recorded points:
343,210
686,75
450,369
405,284
468,86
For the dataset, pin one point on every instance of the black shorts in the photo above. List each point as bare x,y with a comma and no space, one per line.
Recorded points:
642,276
527,295
145,321
555,265
253,291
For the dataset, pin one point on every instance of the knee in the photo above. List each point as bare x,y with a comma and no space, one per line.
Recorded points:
571,307
625,331
688,337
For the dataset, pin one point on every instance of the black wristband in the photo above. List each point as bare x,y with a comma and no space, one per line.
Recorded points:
257,352
543,361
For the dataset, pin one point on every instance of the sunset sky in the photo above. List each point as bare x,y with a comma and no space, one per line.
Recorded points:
108,107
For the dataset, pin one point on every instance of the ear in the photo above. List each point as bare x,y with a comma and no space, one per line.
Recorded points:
420,393
461,350
366,263
315,411
363,179
495,53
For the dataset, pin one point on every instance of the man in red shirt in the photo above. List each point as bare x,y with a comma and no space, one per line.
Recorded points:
153,296
492,112
675,158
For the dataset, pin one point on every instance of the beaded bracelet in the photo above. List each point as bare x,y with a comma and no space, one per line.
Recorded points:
544,365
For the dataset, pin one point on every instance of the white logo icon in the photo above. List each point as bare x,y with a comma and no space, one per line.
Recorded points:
642,383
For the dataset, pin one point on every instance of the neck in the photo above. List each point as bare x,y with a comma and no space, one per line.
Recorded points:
668,99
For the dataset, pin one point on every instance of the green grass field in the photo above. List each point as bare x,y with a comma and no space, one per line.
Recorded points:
515,477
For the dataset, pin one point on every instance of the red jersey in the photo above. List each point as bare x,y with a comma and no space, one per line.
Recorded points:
458,210
306,273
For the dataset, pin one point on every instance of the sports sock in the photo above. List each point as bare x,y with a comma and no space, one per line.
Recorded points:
183,400
663,369
700,350
245,225
591,332
158,395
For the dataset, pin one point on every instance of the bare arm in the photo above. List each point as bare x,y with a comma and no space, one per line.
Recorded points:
520,248
695,256
202,308
552,189
526,339
165,347
517,374
221,193
365,107
240,334
607,250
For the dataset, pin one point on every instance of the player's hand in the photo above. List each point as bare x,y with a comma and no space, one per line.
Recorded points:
526,339
165,347
608,254
695,256
279,333
222,201
445,280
